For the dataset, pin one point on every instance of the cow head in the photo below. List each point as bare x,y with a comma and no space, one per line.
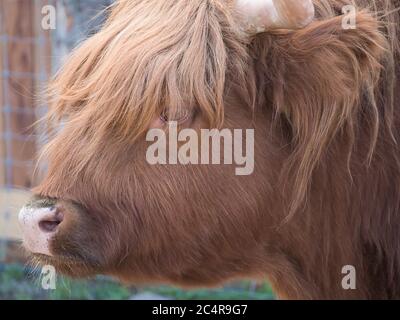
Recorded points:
103,208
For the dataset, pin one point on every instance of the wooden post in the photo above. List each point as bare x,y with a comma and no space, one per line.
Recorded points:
20,81
2,145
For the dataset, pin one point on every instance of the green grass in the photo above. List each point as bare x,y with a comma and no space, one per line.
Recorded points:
17,283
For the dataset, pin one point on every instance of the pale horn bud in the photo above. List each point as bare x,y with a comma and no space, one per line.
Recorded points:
265,15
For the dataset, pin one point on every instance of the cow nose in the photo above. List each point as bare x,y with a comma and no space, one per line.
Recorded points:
38,226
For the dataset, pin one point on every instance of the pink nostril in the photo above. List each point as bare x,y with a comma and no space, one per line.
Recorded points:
50,224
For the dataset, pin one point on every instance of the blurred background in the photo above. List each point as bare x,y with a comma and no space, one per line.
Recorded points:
29,55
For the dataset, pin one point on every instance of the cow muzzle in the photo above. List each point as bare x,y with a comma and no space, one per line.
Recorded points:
39,226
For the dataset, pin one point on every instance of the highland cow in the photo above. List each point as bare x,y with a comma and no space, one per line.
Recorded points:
323,101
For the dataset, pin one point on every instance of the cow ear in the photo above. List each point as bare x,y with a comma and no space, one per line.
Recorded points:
318,77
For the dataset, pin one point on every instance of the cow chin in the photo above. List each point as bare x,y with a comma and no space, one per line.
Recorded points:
59,233
65,265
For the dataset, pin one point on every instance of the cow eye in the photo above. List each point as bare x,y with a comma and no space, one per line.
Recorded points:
179,117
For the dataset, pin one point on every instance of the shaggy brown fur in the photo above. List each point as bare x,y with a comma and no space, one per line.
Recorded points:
325,193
